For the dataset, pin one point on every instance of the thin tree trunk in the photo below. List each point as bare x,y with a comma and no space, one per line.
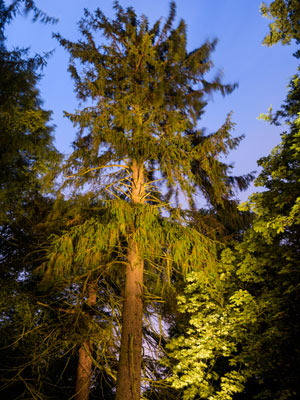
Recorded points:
84,368
130,360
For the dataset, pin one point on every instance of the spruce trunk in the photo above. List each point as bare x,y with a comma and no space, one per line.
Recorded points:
84,368
130,361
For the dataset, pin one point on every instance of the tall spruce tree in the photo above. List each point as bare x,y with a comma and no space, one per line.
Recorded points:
138,137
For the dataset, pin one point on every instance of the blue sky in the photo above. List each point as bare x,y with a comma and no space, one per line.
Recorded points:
262,73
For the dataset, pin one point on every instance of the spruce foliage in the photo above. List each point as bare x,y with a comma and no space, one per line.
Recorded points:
147,94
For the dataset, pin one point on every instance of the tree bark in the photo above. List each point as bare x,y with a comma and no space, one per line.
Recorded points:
130,360
84,368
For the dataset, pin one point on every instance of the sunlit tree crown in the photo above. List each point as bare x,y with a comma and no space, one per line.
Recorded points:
145,94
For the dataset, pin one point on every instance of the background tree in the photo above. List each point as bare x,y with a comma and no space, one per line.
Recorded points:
285,25
28,158
46,325
277,229
241,341
77,261
28,153
29,162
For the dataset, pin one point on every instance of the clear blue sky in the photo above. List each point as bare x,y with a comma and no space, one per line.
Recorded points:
262,73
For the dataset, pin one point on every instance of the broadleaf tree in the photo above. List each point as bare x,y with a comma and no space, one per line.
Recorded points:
139,146
284,27
276,232
241,338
